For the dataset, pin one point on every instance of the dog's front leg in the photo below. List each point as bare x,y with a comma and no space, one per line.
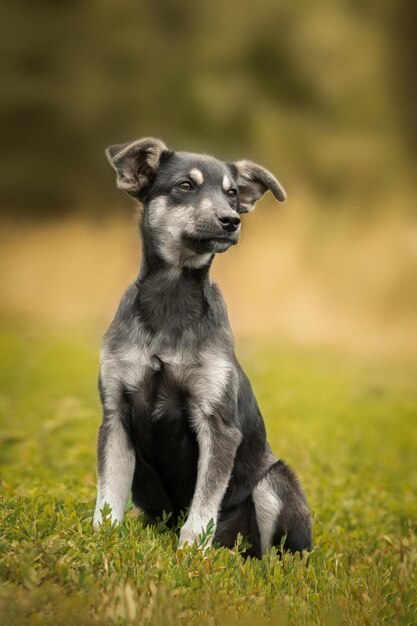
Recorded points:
218,443
116,465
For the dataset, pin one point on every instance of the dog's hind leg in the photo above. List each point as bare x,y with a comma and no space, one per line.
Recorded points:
268,506
116,465
240,519
281,510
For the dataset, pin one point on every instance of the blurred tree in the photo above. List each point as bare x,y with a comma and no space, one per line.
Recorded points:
401,23
236,78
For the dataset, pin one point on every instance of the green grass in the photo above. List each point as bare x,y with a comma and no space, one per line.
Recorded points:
349,430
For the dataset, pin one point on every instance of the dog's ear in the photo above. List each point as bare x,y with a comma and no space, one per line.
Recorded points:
136,163
253,181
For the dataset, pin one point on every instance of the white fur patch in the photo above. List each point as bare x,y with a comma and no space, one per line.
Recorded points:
227,183
196,176
205,376
202,510
267,506
212,379
206,204
198,260
116,480
126,366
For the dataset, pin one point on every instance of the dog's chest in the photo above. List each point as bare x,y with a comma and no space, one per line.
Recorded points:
162,377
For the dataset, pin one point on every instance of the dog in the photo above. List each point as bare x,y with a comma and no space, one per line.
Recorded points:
181,427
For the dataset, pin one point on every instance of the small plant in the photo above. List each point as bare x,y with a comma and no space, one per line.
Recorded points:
206,535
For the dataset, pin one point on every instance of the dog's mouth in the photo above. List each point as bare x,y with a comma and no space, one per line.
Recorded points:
210,243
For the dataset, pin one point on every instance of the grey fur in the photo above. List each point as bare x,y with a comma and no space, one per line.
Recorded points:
181,426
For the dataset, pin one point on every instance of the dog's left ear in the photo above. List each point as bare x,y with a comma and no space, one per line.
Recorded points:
253,181
136,163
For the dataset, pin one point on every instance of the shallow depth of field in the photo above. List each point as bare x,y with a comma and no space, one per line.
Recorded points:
321,292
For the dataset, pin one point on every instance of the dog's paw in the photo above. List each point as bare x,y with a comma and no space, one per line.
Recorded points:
200,534
97,521
188,536
103,515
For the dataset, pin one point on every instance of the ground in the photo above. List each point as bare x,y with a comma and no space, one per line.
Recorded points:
346,425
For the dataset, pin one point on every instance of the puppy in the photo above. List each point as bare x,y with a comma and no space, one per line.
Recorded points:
181,426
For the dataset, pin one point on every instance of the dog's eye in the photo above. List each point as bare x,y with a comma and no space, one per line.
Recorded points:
185,185
232,193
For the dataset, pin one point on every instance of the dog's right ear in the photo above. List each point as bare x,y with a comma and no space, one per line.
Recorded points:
136,163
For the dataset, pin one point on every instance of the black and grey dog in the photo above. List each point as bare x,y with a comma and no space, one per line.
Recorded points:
181,426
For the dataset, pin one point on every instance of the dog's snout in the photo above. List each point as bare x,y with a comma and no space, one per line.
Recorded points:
229,221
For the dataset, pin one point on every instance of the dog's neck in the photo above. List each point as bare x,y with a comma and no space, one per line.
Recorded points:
171,295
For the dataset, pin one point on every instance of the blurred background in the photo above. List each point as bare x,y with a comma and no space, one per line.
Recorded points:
321,93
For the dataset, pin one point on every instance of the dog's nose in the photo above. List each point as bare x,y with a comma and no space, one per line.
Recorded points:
229,221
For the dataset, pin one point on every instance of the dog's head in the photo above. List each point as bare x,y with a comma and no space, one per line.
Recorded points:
192,202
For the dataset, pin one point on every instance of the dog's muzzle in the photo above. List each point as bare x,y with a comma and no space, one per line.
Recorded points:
218,242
